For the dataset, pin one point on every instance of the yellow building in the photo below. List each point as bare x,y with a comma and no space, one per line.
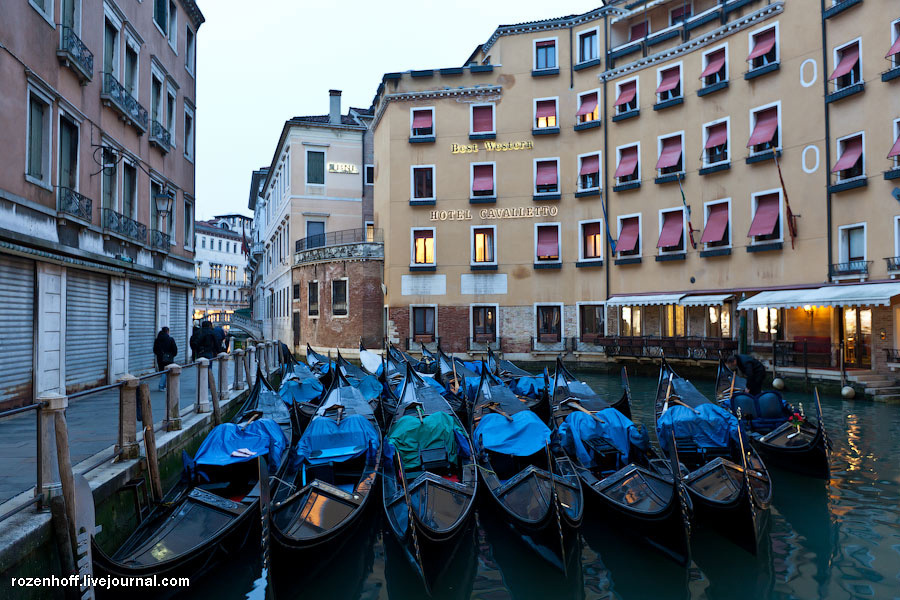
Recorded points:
533,198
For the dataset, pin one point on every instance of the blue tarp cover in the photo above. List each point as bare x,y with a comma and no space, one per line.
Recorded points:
355,435
262,436
474,365
533,387
616,429
300,390
371,388
710,427
523,436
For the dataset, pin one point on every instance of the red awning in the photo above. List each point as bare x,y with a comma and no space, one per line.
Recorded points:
718,135
716,224
895,48
849,58
589,229
895,149
546,108
669,80
545,43
627,92
546,173
670,153
762,43
421,119
628,236
766,124
627,162
590,164
638,30
672,230
766,216
852,151
714,63
588,104
482,119
547,241
482,178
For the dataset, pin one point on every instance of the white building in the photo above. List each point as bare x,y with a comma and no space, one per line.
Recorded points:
223,278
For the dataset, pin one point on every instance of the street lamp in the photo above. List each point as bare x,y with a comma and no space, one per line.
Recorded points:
164,201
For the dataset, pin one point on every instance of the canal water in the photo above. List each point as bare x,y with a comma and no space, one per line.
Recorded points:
835,539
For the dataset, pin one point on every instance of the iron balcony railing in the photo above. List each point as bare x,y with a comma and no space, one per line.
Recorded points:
160,136
893,263
336,238
118,97
75,54
160,240
122,225
853,267
257,248
73,203
204,280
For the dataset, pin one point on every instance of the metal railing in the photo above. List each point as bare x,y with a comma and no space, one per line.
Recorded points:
75,52
688,347
549,343
122,225
160,136
256,248
893,263
853,267
892,355
481,343
73,203
336,238
160,240
125,103
36,499
415,342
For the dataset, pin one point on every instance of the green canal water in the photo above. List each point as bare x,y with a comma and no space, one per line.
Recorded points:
835,539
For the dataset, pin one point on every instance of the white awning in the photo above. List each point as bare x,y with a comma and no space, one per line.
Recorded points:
780,299
646,300
862,294
705,300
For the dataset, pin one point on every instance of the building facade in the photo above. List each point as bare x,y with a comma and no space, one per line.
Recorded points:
221,262
649,177
98,112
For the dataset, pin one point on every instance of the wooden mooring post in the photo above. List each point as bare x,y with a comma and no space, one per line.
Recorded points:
214,394
150,441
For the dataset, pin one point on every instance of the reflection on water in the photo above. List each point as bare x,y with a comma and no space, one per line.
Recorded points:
836,539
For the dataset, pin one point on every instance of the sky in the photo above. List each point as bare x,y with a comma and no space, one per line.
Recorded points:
260,63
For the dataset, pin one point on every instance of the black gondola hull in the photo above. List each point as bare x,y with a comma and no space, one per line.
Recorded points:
811,459
739,520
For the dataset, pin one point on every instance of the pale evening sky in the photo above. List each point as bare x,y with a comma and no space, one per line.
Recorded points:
263,62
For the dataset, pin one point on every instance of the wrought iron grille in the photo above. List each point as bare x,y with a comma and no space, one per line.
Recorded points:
160,135
335,238
73,203
122,225
853,267
75,50
125,102
159,240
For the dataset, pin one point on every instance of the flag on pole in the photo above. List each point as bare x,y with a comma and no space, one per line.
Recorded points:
612,242
791,219
688,210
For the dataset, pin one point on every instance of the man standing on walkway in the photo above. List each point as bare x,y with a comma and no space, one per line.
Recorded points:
753,370
208,345
165,350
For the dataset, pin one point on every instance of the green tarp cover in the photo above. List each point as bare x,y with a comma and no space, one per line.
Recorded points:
409,436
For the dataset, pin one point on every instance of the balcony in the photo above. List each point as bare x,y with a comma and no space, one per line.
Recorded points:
72,203
160,241
852,269
74,54
893,264
160,136
121,225
340,245
115,95
204,281
257,249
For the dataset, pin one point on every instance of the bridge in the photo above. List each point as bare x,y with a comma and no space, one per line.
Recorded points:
252,328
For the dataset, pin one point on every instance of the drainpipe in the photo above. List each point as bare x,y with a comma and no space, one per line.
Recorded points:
827,141
609,258
571,59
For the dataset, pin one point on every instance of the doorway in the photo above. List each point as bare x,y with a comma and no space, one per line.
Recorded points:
856,332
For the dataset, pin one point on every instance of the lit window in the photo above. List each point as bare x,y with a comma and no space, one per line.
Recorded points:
545,114
592,240
589,109
549,323
483,245
423,246
484,323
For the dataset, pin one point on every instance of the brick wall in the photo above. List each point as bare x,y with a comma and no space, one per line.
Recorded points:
882,319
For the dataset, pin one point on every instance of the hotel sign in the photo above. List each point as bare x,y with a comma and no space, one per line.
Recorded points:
342,168
491,147
518,212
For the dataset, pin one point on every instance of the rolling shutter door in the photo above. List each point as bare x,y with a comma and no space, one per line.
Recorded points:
178,321
17,357
87,329
141,327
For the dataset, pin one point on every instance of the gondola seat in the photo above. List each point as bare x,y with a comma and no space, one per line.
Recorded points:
763,412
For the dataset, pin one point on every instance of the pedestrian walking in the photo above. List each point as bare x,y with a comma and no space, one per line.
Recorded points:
165,349
195,343
208,344
221,337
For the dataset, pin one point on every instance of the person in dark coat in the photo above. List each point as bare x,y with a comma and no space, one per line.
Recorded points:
208,344
221,337
166,350
751,368
195,343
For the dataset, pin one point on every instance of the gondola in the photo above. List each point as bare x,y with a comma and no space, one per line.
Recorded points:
620,470
368,385
371,362
578,389
453,375
319,364
533,390
430,481
326,486
535,488
765,417
726,479
215,508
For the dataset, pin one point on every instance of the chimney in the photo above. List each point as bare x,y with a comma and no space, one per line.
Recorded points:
334,113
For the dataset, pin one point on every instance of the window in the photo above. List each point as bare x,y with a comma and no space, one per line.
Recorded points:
188,223
549,323
423,246
588,108
546,176
769,324
483,181
129,191
173,25
671,231
764,48
894,153
671,153
131,70
545,114
591,319
110,178
423,318
718,323
639,31
203,242
629,242
482,119
215,270
484,246
38,164
766,224
547,242
423,182
313,298
220,245
851,163
629,167
668,84
715,66
44,8
161,14
156,99
422,122
848,69
339,297
484,323
673,320
717,224
296,291
591,233
110,48
370,231
587,46
627,98
188,133
853,246
67,167
170,115
190,51
715,145
894,53
315,234
545,54
680,14
630,321
766,127
589,172
315,167
370,174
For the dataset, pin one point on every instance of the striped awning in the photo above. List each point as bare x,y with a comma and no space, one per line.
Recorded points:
862,294
706,300
644,300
